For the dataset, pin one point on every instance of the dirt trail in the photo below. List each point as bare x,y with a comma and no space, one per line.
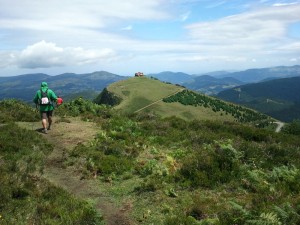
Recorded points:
159,100
279,126
65,136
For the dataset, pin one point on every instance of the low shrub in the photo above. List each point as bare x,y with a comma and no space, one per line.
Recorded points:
12,110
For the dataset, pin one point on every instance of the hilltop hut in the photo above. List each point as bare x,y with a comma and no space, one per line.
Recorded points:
139,74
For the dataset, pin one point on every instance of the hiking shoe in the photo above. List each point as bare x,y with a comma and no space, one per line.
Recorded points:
45,131
49,128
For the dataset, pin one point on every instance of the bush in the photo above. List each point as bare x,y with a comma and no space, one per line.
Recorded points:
292,128
211,166
16,110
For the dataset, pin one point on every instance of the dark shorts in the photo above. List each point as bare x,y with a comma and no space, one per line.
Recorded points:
46,114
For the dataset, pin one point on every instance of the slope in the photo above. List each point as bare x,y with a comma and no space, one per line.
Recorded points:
279,98
141,94
65,135
171,171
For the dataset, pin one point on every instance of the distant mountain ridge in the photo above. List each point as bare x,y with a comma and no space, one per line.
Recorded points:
25,86
256,75
279,98
211,85
90,84
173,77
214,82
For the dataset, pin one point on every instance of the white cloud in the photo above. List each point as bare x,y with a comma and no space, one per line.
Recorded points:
56,14
129,27
185,16
285,4
45,55
296,60
98,26
258,26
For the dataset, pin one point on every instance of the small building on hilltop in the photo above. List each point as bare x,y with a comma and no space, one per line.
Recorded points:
139,74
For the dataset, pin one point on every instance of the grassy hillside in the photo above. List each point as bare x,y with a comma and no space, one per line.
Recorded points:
279,98
25,196
162,171
173,172
141,94
138,92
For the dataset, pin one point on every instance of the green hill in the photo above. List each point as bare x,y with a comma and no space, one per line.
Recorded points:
279,98
142,94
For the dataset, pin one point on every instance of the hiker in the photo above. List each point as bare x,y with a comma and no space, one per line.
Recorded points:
44,98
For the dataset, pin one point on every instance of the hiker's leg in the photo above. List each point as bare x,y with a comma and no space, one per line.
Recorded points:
50,118
50,121
44,119
44,123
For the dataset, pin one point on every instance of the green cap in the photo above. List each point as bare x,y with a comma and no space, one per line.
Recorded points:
44,86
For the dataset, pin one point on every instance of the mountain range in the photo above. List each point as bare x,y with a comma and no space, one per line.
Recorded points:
214,82
67,85
258,96
211,85
257,75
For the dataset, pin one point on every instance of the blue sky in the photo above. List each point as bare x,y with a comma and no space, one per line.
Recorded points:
123,37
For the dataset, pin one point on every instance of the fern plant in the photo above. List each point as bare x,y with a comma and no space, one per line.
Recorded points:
266,219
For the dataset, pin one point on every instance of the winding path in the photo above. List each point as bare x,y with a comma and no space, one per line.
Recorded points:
279,126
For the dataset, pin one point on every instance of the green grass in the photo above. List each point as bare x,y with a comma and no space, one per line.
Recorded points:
198,172
159,170
27,198
15,110
138,92
151,95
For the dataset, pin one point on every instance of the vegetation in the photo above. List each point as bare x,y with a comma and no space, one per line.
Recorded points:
293,128
241,114
278,98
107,98
151,95
25,197
169,170
138,92
16,110
198,172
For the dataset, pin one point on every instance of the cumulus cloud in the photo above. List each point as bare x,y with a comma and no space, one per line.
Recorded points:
46,54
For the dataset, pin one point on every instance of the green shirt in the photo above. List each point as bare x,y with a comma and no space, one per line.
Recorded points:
51,96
